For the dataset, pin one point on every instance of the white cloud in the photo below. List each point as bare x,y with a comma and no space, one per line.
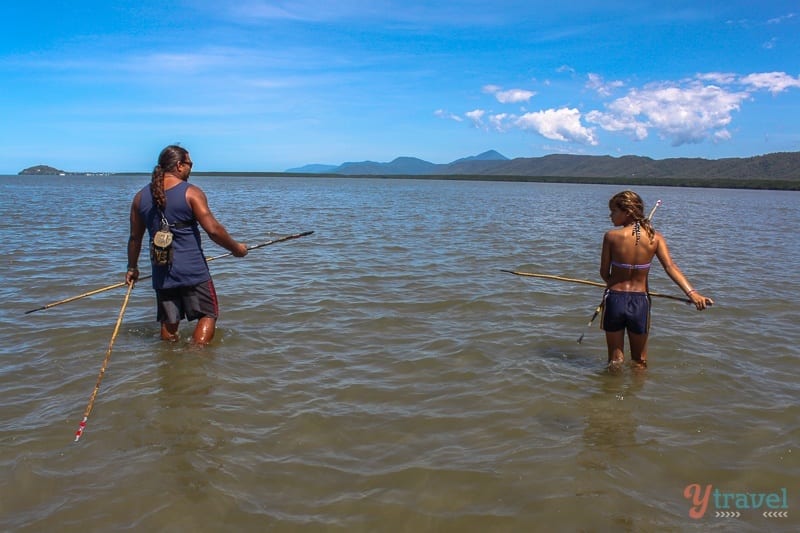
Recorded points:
603,88
469,13
685,111
498,121
774,82
476,116
260,10
683,114
441,113
781,19
557,124
304,10
717,78
511,96
514,96
722,135
619,122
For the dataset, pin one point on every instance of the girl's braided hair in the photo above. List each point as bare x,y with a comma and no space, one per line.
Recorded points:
631,204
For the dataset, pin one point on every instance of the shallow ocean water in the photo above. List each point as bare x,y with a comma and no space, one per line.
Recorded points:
383,374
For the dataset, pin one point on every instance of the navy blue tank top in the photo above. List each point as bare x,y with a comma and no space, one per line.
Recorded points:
189,265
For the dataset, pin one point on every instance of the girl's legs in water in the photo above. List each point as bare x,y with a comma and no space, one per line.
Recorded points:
638,348
616,347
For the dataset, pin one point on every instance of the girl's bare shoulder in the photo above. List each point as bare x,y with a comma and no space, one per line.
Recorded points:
614,233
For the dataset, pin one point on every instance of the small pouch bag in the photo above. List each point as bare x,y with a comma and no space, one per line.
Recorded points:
161,245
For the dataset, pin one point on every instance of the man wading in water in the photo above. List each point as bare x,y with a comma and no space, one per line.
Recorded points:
171,210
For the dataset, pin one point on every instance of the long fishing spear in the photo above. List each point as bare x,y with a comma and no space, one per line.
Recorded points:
122,283
90,405
588,282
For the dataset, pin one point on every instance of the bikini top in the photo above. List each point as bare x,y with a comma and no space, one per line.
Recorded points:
629,266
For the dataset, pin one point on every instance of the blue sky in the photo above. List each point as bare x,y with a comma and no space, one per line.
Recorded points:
270,85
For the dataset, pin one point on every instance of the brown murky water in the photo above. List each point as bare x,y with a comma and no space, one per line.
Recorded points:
382,374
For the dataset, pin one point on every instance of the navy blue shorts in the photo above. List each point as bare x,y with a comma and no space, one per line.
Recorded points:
626,310
190,303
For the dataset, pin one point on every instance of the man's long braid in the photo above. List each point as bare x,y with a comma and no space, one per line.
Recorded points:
168,159
157,188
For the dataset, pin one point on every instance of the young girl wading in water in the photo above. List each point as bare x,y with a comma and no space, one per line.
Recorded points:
624,265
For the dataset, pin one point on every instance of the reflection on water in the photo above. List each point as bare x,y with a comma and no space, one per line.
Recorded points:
610,421
182,420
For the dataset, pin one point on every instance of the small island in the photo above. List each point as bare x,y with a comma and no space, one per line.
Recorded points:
46,170
42,170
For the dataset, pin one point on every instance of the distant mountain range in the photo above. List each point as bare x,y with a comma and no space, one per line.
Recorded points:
400,165
780,170
776,166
